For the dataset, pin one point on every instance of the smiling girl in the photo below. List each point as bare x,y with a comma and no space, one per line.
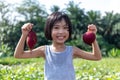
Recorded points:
58,56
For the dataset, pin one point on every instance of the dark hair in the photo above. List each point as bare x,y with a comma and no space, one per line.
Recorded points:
52,19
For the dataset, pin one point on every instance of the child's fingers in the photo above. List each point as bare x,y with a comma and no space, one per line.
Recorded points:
27,26
92,28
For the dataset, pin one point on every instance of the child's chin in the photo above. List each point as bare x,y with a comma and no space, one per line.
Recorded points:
61,41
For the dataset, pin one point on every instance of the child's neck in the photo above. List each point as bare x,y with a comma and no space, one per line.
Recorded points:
58,48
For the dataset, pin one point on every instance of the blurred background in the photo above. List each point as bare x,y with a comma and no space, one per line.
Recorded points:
105,14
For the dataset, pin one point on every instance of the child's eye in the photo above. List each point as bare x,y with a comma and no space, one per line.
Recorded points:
55,27
66,27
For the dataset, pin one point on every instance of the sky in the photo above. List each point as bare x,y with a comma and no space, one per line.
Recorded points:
96,5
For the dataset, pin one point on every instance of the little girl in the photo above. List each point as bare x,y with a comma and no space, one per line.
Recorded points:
58,57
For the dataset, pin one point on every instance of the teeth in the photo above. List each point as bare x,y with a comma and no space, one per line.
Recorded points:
60,37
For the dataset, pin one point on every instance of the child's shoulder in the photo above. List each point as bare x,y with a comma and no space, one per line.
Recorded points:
41,48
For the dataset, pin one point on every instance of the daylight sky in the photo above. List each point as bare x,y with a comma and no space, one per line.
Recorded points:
97,5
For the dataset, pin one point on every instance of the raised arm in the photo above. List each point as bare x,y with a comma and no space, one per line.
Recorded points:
95,54
19,50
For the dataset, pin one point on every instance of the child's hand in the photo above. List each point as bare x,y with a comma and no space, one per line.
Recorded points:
92,28
26,28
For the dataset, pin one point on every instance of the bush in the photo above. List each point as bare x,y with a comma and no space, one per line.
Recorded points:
5,50
114,52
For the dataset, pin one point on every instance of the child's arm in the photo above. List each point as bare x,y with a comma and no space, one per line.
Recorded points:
19,50
95,54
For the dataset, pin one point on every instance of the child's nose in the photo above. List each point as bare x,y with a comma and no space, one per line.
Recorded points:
60,31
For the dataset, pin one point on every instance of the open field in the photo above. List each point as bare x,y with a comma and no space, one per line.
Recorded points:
32,69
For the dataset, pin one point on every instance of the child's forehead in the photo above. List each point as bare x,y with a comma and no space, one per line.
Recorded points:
62,21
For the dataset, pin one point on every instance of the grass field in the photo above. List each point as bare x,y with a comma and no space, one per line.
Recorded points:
32,69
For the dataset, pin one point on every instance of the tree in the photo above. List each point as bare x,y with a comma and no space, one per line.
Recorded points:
110,29
78,18
93,17
55,8
31,9
35,13
4,21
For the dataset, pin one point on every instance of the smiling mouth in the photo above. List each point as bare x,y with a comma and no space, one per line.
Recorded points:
60,37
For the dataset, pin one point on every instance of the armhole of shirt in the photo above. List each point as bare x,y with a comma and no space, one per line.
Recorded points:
72,51
45,50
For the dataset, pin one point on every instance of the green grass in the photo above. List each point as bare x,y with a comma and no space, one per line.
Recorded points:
32,69
106,69
14,61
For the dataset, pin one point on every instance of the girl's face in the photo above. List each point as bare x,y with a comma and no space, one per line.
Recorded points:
60,32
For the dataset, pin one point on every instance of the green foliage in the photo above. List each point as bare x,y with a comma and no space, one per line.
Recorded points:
31,10
34,12
54,8
114,52
108,28
13,61
33,69
78,19
100,70
93,17
5,50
